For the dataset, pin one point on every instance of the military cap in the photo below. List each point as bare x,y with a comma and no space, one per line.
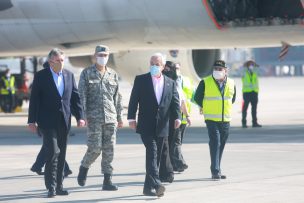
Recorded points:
102,49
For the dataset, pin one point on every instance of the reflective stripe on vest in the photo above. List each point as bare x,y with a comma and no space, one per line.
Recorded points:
250,82
215,106
8,84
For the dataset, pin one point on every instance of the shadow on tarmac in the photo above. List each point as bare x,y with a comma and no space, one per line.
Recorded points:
19,135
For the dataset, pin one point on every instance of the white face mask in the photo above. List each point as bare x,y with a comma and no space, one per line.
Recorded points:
218,74
251,67
102,60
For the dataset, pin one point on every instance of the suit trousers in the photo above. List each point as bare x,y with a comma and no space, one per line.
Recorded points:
55,143
154,146
218,134
41,160
165,167
175,143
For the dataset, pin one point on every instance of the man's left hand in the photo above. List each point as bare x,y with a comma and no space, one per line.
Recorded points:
81,123
119,124
177,123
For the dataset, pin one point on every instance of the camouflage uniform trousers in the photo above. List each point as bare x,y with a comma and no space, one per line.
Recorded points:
101,138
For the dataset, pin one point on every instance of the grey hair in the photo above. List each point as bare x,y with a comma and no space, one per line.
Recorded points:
162,56
55,52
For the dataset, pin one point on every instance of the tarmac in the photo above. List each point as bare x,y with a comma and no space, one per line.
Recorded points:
262,164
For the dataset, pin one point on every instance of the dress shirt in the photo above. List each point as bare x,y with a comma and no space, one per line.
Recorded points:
58,79
158,85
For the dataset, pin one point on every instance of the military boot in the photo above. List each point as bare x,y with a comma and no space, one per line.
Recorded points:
107,183
82,175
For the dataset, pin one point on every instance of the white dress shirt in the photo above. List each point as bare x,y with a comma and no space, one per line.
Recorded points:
58,79
158,85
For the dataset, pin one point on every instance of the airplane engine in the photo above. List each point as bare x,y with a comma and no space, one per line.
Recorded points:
194,63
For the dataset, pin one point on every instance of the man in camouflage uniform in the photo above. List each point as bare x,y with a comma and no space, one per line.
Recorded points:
99,92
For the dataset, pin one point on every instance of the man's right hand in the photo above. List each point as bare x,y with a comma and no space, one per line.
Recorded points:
32,127
132,124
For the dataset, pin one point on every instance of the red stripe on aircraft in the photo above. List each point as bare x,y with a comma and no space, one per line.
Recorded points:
210,13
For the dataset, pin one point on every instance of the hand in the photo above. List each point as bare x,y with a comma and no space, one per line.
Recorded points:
201,111
32,127
188,120
132,124
119,124
81,123
177,123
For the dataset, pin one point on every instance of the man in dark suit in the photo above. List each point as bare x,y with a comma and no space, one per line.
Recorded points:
54,94
157,98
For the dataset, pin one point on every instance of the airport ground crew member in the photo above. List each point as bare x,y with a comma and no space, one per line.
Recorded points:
7,91
250,92
99,92
215,94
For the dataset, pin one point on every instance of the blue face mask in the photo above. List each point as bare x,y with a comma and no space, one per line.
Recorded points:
154,70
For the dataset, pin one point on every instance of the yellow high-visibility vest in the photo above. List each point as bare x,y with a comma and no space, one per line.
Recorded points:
250,82
8,84
187,86
217,107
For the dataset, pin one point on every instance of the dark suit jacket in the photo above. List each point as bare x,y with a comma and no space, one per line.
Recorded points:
46,104
153,119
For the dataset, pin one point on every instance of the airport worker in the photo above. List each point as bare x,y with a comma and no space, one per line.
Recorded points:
186,85
250,91
156,98
99,93
54,94
174,153
7,91
215,94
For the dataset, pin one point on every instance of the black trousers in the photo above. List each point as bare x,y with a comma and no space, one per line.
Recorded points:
154,146
218,134
8,103
252,98
55,143
175,144
165,166
41,160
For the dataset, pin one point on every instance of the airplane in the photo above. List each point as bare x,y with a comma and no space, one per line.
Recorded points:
188,31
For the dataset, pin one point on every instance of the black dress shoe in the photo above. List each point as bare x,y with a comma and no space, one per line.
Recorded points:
149,193
51,193
216,177
39,172
67,173
256,125
159,190
178,169
167,179
62,192
185,166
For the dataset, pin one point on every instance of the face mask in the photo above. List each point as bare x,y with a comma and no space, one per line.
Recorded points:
178,73
170,74
57,67
8,75
102,60
218,74
155,70
251,67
